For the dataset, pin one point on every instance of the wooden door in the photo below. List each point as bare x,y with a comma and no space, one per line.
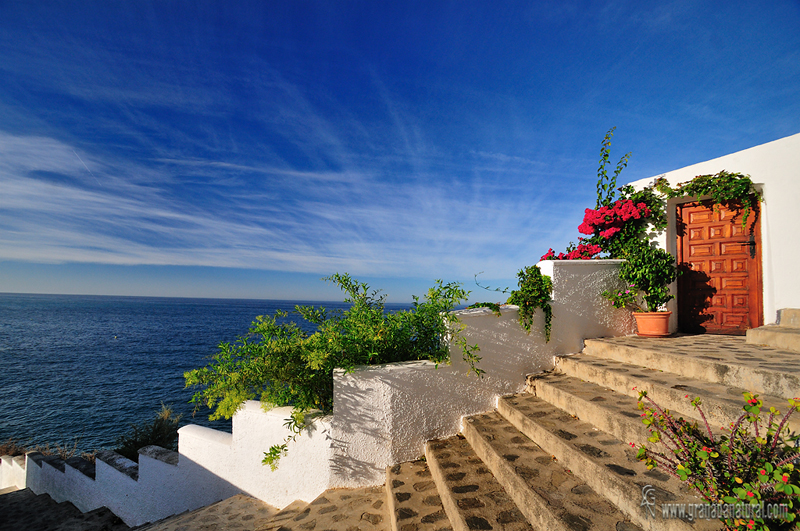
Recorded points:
720,290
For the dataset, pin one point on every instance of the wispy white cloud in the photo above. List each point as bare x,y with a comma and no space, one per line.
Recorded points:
347,220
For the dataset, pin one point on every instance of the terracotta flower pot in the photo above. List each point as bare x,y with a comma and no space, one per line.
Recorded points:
652,324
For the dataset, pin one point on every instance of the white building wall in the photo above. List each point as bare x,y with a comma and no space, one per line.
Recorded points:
775,169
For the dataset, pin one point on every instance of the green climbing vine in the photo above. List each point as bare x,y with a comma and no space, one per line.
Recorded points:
534,292
724,188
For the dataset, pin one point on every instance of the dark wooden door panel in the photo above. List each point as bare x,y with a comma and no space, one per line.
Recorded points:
720,288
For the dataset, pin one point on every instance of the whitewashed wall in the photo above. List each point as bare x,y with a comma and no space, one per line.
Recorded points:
210,466
382,415
236,458
775,169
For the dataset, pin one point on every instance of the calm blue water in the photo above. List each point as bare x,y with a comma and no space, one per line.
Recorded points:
87,367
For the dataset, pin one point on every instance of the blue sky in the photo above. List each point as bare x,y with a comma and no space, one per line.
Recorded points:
236,149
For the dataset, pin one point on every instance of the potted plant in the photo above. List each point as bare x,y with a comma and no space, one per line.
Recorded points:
647,273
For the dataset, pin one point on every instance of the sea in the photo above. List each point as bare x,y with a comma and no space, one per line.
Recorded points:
79,371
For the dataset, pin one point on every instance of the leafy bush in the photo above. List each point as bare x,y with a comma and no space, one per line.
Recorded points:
282,365
161,431
650,270
753,463
534,292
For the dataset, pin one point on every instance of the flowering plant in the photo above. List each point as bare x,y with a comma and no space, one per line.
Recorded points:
628,298
584,251
607,221
615,223
752,463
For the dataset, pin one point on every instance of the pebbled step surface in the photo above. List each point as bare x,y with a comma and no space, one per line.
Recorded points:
22,510
240,513
361,509
472,497
614,413
607,464
722,404
413,501
551,496
721,359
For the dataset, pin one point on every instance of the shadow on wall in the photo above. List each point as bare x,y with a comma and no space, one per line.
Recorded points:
360,431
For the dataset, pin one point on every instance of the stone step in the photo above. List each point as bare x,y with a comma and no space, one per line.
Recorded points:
614,413
101,519
725,360
285,516
721,404
789,317
776,336
22,509
607,465
363,509
240,513
413,503
471,496
548,494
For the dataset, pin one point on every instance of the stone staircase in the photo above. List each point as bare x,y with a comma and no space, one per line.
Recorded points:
558,456
784,335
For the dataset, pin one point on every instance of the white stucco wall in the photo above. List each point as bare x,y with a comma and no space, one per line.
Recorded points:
775,169
12,471
236,458
210,466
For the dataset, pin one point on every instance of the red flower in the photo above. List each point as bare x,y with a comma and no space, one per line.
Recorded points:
549,255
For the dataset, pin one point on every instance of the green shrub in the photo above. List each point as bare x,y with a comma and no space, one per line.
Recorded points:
282,365
161,431
650,270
